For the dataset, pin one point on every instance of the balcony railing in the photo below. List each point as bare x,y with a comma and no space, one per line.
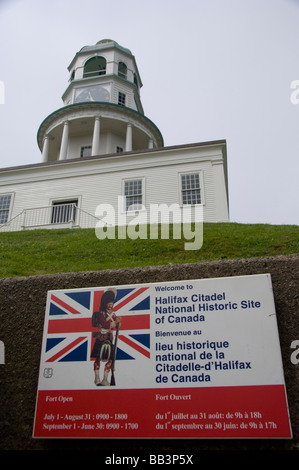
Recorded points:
55,216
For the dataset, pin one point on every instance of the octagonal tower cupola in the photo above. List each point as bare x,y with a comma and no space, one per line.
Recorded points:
102,111
105,72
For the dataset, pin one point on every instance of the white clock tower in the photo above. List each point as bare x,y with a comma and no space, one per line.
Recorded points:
102,112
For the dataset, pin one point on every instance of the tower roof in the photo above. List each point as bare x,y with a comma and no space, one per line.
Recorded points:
104,44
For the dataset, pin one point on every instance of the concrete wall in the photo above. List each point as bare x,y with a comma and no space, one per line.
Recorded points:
22,309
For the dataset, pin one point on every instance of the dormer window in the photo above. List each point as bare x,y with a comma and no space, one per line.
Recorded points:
94,67
122,70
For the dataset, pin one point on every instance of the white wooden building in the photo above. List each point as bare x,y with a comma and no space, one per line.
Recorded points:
100,148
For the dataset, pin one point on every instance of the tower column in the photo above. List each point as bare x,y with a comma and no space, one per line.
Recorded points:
96,137
129,138
150,144
64,141
45,153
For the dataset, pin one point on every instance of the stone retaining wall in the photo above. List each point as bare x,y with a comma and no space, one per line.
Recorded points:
22,311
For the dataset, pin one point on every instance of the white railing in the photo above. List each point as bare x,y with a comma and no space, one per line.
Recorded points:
56,216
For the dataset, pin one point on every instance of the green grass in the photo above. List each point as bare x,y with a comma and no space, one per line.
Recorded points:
70,250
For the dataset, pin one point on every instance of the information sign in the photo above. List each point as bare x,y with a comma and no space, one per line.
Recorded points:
184,359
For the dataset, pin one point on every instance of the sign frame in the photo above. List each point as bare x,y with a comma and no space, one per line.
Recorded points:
195,359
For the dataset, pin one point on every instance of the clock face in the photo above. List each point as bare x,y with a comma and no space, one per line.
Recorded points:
92,93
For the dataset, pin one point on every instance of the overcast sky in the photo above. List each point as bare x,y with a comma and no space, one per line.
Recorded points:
211,70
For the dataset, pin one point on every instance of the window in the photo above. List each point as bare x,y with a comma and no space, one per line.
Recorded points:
121,99
133,195
5,200
85,151
122,70
191,188
64,211
136,81
135,105
94,67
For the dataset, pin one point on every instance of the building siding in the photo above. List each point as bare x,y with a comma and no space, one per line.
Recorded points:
99,181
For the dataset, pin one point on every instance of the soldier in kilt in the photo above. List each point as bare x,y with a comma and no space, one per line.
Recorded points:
103,350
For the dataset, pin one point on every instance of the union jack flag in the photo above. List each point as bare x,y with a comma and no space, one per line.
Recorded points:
70,332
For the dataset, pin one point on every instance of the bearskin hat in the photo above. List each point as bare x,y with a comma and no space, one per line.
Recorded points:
107,297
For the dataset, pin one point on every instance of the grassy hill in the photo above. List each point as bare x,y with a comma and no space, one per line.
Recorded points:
68,250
